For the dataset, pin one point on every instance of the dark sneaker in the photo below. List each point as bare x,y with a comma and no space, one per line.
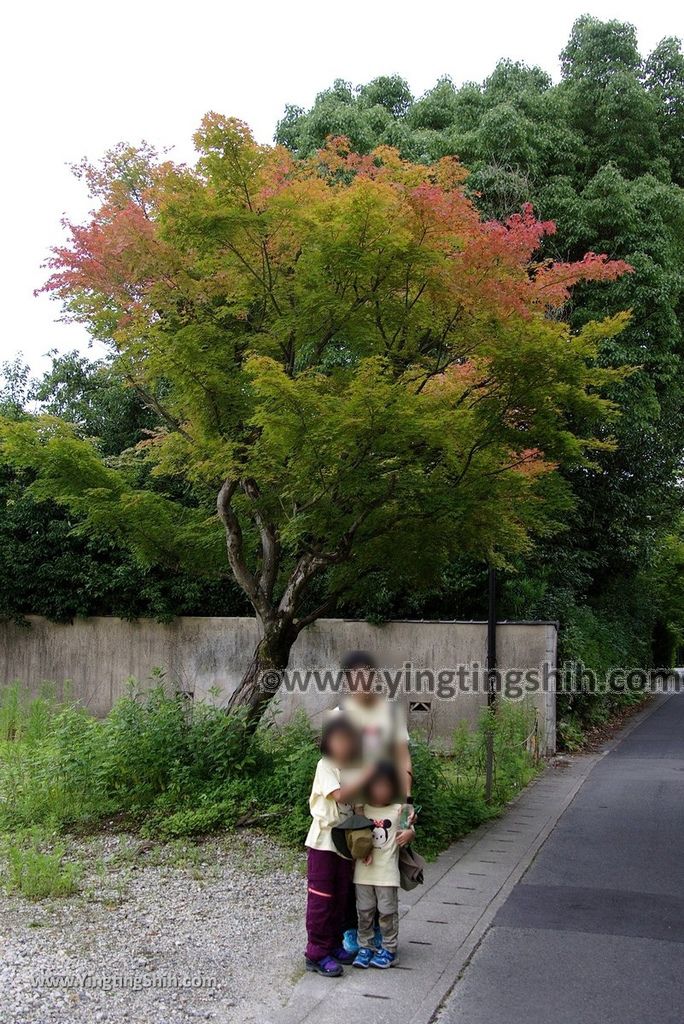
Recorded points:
364,957
383,959
328,967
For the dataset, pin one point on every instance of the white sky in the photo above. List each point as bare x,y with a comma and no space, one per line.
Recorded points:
77,77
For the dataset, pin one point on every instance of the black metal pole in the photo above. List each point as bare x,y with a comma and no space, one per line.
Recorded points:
491,639
491,684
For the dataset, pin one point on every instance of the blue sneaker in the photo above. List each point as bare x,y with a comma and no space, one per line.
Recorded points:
350,941
364,957
327,966
383,958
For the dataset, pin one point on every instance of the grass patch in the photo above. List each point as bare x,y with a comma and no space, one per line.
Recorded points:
37,873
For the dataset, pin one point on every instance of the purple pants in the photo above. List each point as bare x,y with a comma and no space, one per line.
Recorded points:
330,905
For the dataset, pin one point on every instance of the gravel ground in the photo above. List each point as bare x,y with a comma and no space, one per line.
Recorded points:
227,914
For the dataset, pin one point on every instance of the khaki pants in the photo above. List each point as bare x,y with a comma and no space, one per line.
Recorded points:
384,899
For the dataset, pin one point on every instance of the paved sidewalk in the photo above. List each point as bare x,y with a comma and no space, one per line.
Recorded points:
594,932
443,921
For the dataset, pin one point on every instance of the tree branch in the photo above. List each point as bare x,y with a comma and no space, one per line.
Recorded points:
270,545
313,561
153,403
236,558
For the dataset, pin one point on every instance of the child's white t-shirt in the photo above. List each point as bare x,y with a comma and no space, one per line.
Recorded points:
384,867
324,810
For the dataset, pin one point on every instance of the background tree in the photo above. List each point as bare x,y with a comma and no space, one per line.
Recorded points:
601,153
346,362
664,579
52,565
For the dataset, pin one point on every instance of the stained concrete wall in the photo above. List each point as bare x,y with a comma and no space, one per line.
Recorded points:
97,656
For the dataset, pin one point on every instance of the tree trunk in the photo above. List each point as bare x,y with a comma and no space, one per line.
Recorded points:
265,671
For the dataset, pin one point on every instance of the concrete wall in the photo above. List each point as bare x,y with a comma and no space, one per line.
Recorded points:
98,655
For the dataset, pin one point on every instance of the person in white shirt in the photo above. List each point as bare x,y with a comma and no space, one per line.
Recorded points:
377,877
381,722
330,908
384,733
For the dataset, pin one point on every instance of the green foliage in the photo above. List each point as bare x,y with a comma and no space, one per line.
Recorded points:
51,566
513,728
150,748
579,712
176,770
450,806
211,811
664,580
451,790
16,388
34,872
288,759
28,721
341,361
601,153
571,733
96,399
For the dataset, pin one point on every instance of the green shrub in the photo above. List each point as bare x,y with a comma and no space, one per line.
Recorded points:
210,817
514,727
150,747
180,769
451,804
602,639
25,718
36,873
570,733
287,761
175,815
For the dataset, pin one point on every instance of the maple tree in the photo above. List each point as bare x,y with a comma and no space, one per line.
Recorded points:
351,368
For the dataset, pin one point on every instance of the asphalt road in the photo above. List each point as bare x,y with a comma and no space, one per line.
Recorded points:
594,931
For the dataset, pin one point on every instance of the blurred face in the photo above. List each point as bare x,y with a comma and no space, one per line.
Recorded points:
361,683
381,792
341,746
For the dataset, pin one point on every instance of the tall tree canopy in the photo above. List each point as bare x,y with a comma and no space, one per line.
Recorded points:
352,370
601,153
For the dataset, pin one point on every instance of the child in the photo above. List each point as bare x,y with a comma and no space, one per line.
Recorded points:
377,877
330,908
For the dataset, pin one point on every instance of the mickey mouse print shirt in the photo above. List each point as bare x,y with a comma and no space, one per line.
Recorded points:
384,867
